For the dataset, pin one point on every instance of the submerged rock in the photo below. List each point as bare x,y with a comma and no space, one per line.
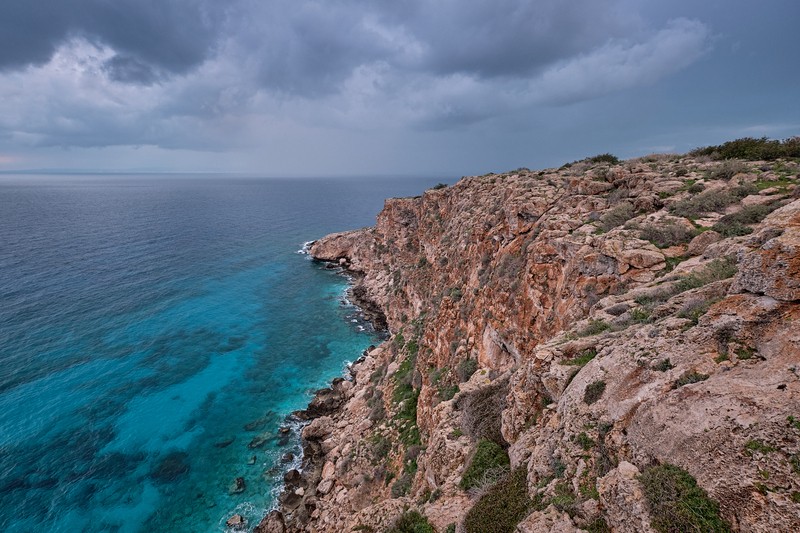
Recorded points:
224,443
259,441
238,486
171,467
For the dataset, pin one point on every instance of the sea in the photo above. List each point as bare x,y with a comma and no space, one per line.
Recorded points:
156,331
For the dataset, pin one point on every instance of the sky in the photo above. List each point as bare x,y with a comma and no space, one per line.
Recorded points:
386,87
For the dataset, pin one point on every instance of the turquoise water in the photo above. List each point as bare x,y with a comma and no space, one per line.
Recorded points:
155,332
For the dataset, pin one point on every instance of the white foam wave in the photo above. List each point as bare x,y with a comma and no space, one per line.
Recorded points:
306,249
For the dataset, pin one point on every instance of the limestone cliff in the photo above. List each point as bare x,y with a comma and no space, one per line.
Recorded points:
600,324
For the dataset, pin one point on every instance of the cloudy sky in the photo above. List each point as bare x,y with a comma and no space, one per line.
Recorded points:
392,87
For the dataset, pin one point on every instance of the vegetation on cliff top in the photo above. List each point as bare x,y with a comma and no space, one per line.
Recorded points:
502,507
412,522
678,504
488,463
752,149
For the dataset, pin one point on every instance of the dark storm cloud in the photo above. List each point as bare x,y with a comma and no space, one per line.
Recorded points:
149,35
192,73
309,47
507,37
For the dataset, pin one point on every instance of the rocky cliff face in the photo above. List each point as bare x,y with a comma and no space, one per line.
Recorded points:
620,331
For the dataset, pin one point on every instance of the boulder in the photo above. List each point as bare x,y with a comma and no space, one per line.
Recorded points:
272,523
622,497
237,522
699,244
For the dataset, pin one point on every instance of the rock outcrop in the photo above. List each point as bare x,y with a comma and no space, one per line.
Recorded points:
588,321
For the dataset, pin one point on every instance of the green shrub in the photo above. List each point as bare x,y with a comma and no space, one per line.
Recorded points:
465,369
603,158
752,149
488,457
563,499
446,392
727,170
584,441
753,446
705,202
594,391
735,224
663,365
667,235
595,327
597,525
677,504
617,216
716,270
694,309
502,507
688,378
405,396
582,359
439,186
402,486
640,315
412,522
380,446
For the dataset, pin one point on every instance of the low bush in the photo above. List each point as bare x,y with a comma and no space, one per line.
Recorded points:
640,315
735,224
603,158
694,309
563,499
584,441
502,507
706,201
582,359
663,365
688,378
667,235
401,486
412,522
752,149
677,504
617,216
727,170
481,411
465,369
488,461
594,391
753,446
717,270
595,327
598,525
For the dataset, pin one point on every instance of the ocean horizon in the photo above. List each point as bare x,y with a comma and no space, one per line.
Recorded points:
155,333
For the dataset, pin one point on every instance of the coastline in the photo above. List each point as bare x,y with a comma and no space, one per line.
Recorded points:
586,324
297,495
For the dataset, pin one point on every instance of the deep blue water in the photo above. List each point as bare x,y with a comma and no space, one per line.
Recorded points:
151,328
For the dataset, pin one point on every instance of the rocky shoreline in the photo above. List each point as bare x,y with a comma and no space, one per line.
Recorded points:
569,349
297,499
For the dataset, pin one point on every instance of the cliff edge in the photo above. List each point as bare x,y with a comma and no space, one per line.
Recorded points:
609,346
